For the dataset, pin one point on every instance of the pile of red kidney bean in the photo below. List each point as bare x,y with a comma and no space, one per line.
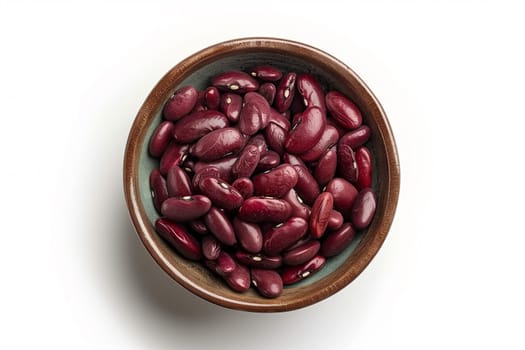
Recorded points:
262,176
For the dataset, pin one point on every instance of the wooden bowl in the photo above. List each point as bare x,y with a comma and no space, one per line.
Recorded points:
289,56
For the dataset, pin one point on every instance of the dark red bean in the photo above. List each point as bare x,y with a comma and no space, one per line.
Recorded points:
175,154
255,113
181,209
346,163
297,105
180,103
179,238
178,182
340,130
247,162
211,248
245,187
344,194
200,105
306,185
299,209
363,158
326,167
225,264
276,137
344,111
220,193
276,182
301,253
258,260
231,105
311,91
204,172
249,235
335,242
336,220
235,81
284,235
224,166
220,226
329,138
267,90
212,97
261,209
239,279
357,137
198,226
159,190
259,141
218,144
269,160
363,209
160,139
294,274
268,282
266,73
196,125
285,92
306,131
293,160
321,214
279,119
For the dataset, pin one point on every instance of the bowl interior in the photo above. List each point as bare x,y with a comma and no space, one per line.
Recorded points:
288,56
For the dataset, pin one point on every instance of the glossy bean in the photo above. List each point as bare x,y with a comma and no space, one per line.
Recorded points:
235,81
321,214
212,97
259,260
285,92
363,209
181,209
269,160
196,125
180,103
336,220
301,253
259,141
220,226
218,144
311,91
292,159
306,185
363,158
245,186
248,235
326,167
200,105
299,209
335,242
231,105
179,238
225,264
211,248
284,235
329,138
344,194
261,209
346,163
279,119
178,182
276,182
255,113
306,131
276,137
204,172
247,162
198,226
160,139
267,90
344,111
174,155
220,193
357,137
294,274
239,279
268,282
224,166
159,190
266,73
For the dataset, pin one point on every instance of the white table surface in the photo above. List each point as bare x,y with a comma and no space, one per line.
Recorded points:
451,79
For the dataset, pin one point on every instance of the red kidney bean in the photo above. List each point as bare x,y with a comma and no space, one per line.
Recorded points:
344,194
261,209
269,160
231,105
179,238
278,119
159,191
293,160
196,125
181,209
160,139
311,92
211,248
301,253
199,227
363,209
259,141
267,90
340,130
266,73
276,182
249,235
255,113
260,261
204,172
285,92
321,214
346,163
357,137
220,193
335,242
224,166
218,144
220,226
326,167
329,138
276,137
344,111
284,235
306,131
212,97
239,279
236,81
306,185
225,264
200,105
294,274
245,187
178,182
336,220
268,282
247,162
363,158
297,105
174,155
299,209
180,103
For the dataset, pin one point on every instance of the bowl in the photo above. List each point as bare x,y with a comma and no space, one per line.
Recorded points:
288,55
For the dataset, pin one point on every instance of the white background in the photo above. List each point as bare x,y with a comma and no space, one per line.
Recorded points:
450,76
